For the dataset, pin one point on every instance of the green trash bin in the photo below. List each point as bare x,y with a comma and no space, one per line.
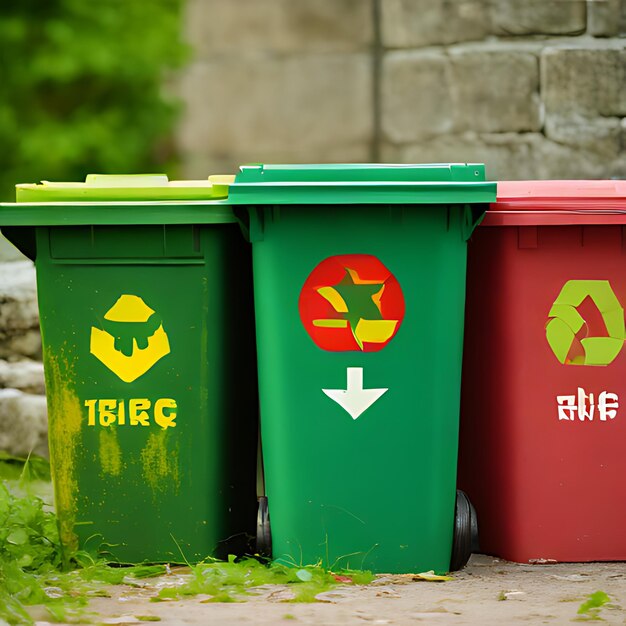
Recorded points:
145,300
359,281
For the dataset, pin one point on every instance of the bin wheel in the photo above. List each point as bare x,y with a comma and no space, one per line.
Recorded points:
465,539
263,530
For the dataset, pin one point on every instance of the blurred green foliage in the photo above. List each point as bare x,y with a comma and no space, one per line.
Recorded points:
81,88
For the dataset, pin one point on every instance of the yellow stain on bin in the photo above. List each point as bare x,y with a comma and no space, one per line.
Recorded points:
110,452
64,428
160,464
129,314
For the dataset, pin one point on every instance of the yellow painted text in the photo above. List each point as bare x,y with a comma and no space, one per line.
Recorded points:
131,412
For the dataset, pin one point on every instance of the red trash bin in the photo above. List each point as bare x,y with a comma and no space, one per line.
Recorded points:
543,419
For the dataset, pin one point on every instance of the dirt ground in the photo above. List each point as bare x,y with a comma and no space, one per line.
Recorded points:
487,591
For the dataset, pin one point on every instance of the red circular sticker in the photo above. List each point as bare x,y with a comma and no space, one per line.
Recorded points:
351,302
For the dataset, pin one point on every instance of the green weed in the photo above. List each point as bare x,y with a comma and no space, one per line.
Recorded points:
233,580
590,609
35,569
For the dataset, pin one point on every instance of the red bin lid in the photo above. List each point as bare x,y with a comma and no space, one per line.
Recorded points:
558,202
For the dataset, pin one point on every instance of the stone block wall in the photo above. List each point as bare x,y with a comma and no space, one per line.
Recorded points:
23,414
534,88
277,80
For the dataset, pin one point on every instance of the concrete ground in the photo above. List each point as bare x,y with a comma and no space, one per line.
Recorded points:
487,591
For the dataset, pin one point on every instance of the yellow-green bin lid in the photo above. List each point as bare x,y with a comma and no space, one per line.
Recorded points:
111,188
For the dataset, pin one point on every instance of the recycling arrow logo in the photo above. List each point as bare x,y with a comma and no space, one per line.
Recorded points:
596,340
131,340
351,302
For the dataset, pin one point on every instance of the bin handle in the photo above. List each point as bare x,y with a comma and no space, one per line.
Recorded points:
473,215
126,180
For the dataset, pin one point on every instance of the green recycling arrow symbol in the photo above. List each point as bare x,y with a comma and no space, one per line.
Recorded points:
565,323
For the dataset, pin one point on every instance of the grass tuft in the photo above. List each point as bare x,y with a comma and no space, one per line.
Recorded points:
35,569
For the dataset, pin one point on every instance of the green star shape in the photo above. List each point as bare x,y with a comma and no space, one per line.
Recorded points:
360,302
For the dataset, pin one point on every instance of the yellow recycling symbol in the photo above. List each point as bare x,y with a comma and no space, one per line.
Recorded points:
132,339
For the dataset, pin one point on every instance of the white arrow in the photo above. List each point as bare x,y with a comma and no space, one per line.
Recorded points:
354,399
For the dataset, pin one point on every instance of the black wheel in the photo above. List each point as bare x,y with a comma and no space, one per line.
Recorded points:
263,530
465,539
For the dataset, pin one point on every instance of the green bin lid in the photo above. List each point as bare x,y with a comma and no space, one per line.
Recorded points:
362,183
120,200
